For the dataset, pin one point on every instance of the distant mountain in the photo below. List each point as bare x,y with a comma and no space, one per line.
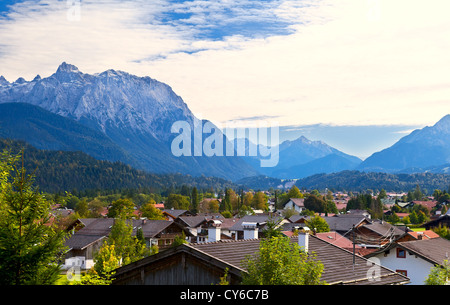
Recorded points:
423,148
436,169
302,157
357,181
332,163
134,113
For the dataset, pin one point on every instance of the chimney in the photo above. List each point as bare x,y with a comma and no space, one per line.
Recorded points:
214,230
303,239
250,230
419,235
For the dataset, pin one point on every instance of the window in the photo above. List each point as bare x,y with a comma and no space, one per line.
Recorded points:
403,272
401,253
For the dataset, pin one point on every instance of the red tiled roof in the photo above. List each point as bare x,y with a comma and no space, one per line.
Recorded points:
428,204
336,239
428,234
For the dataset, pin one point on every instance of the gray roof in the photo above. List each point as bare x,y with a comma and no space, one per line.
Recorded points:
345,222
81,241
261,220
383,228
194,221
175,213
338,263
434,250
300,202
98,228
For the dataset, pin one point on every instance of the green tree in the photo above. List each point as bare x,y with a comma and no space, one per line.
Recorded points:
273,227
318,224
439,275
418,195
442,231
413,217
294,192
280,262
259,201
30,246
382,194
128,248
316,204
177,201
195,200
121,208
82,208
393,218
106,261
149,211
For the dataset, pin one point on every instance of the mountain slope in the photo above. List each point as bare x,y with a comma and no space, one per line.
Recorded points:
421,149
135,113
302,157
331,163
46,130
58,171
362,181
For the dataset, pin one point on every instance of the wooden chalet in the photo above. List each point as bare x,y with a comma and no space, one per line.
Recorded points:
205,263
90,233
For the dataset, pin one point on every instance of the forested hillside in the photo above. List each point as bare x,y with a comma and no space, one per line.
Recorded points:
59,171
360,181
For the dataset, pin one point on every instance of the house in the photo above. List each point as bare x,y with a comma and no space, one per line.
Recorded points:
340,241
205,263
443,220
172,214
344,223
89,235
298,204
377,234
253,226
193,224
414,258
418,235
198,225
430,204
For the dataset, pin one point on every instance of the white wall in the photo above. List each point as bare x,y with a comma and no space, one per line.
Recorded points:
417,268
290,205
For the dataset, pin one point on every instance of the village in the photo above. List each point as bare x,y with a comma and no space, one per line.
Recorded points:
354,247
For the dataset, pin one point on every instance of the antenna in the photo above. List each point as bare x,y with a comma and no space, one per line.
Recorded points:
353,230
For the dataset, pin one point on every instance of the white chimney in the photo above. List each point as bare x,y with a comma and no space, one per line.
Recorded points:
250,230
303,239
214,230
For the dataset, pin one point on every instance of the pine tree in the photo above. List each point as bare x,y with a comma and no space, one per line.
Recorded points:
194,197
30,246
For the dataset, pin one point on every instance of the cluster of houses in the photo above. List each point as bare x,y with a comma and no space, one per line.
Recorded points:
357,250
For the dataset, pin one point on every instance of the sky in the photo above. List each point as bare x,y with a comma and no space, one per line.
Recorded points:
356,74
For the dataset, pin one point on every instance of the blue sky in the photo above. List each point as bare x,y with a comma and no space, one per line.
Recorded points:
320,67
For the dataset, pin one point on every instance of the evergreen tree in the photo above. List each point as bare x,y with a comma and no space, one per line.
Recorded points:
280,262
195,201
122,208
30,246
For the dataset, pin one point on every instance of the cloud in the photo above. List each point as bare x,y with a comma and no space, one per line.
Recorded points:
347,62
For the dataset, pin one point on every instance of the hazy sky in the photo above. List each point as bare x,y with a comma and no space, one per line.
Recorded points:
313,63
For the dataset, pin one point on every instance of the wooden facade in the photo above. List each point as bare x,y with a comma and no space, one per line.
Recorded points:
442,221
182,265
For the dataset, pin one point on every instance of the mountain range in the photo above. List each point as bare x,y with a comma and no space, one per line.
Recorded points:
117,116
112,115
426,149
